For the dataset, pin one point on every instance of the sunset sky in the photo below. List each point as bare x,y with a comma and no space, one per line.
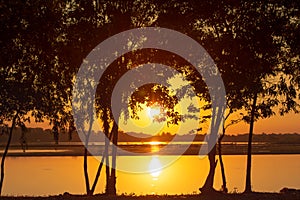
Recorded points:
288,123
276,124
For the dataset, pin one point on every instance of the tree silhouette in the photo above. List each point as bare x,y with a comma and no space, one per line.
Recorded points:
247,40
79,43
109,79
29,66
18,93
254,44
255,56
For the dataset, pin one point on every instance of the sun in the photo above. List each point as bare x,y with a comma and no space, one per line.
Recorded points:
153,111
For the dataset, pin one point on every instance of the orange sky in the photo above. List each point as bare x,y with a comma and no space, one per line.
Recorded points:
276,124
289,123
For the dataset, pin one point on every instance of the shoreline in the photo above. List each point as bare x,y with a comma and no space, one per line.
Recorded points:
144,150
13,155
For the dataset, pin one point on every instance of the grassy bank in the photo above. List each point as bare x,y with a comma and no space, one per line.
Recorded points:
217,196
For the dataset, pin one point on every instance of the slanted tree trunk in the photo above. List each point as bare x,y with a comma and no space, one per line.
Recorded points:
6,150
107,167
248,188
106,152
112,181
208,185
99,170
97,175
224,186
85,161
86,174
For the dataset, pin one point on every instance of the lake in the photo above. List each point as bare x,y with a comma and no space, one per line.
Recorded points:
39,176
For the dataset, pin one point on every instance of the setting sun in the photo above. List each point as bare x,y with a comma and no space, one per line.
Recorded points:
153,143
153,112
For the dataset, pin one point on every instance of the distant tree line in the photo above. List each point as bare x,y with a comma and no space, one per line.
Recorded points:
35,135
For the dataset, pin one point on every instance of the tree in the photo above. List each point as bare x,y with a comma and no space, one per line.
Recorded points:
114,17
29,67
245,40
265,95
18,92
220,28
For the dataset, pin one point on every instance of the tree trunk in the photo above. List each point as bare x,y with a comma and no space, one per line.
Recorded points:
208,185
97,175
248,188
85,161
107,189
99,170
224,186
112,187
6,150
86,174
106,152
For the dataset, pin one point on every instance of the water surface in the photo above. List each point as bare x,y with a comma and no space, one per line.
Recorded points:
55,175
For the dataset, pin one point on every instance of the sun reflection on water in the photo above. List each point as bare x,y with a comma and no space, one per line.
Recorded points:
155,167
154,146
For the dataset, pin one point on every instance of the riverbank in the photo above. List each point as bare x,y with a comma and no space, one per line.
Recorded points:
218,196
157,149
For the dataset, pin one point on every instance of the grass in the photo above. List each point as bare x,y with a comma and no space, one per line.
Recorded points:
216,196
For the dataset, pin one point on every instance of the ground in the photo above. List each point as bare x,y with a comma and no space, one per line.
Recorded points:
217,196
